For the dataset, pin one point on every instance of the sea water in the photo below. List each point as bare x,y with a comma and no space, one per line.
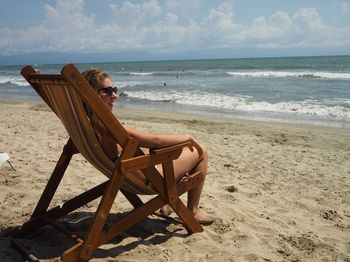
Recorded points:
312,90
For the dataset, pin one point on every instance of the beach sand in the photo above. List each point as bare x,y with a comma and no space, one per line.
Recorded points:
280,192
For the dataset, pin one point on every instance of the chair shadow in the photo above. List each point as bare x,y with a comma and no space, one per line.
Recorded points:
48,242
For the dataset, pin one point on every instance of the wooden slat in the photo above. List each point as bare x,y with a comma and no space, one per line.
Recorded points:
59,211
145,161
187,217
133,218
28,71
190,182
156,179
169,148
47,79
95,229
150,207
72,253
82,87
134,200
170,183
54,180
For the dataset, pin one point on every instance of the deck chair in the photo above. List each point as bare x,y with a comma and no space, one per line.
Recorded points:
68,95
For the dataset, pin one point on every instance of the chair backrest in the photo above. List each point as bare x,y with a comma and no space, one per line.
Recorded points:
66,95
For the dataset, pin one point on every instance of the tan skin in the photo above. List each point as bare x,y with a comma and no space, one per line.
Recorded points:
192,159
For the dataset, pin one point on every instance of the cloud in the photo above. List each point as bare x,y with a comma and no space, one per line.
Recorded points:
221,18
67,15
131,14
168,27
304,29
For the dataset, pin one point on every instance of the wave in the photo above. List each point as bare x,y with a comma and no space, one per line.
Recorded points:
20,81
175,73
208,73
248,73
141,73
245,104
327,75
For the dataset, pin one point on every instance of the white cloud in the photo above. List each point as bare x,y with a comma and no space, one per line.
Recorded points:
280,19
304,29
307,18
182,5
160,26
136,14
221,17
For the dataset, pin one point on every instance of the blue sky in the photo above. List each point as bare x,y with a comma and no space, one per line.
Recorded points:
60,31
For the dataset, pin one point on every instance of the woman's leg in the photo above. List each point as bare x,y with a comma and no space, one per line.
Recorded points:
195,194
190,162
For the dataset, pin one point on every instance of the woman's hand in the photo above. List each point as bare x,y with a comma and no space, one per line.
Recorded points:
194,144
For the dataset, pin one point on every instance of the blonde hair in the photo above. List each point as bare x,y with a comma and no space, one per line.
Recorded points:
95,77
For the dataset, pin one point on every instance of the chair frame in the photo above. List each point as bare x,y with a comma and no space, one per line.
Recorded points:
131,159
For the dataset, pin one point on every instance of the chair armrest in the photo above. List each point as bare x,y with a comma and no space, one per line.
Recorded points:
157,156
154,151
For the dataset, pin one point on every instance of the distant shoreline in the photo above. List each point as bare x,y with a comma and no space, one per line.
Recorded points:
163,60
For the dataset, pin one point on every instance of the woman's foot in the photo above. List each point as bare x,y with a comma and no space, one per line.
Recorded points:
166,210
203,218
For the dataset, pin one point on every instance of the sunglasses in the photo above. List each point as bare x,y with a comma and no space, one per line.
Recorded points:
109,90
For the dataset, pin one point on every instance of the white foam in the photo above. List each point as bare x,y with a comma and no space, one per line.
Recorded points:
120,84
244,104
20,81
327,75
141,73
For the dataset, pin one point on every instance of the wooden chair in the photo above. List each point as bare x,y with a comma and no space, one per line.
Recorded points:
68,94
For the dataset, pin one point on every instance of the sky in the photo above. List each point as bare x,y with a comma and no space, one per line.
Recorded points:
62,31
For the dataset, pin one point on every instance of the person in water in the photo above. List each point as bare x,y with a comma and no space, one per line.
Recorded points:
192,159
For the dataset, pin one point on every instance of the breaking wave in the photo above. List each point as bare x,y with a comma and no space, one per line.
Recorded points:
327,75
245,104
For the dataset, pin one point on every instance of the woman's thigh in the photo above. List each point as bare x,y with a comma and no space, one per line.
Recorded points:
185,163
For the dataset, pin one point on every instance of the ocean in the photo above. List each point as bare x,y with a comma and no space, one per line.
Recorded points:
313,90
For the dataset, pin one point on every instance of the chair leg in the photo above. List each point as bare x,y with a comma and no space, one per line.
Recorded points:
134,217
182,211
113,186
91,239
187,217
55,179
41,208
134,200
59,211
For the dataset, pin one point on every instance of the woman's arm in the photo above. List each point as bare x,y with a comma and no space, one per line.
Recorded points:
162,140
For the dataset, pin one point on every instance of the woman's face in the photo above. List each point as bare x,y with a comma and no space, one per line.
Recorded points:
108,100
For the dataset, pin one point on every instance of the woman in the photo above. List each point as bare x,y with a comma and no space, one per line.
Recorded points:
192,159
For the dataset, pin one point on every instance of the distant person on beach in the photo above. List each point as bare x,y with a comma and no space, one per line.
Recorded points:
192,159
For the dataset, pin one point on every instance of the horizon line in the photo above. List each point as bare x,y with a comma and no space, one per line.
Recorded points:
174,60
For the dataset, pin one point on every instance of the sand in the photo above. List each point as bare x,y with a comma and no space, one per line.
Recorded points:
280,192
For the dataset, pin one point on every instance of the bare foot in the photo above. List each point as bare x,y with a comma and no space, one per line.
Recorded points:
166,210
203,219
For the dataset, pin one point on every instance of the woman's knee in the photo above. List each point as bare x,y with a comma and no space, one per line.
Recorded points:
205,153
203,162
